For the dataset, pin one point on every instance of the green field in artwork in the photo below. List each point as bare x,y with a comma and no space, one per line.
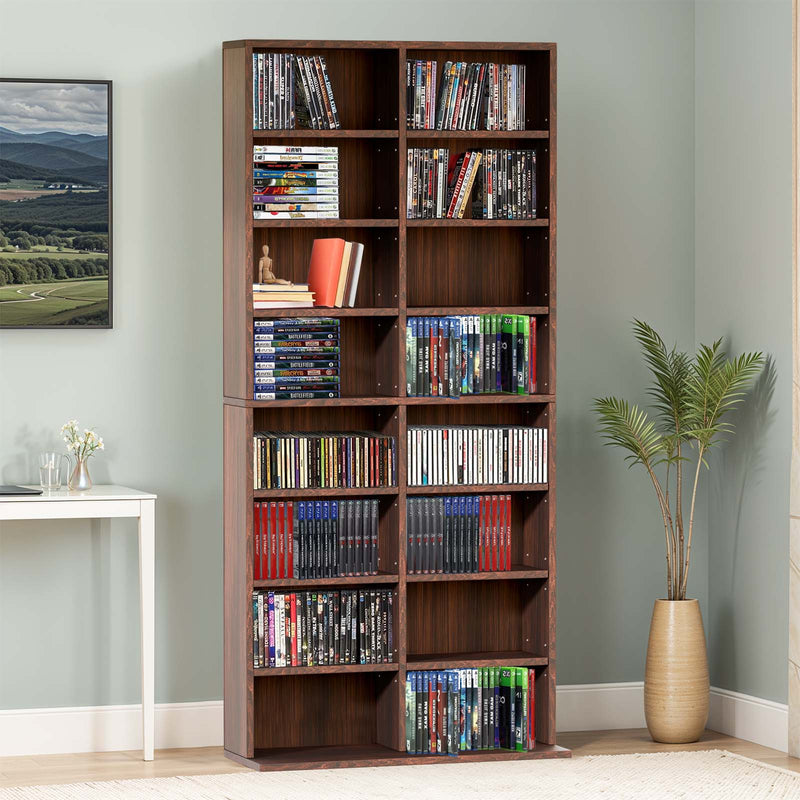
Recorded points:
62,302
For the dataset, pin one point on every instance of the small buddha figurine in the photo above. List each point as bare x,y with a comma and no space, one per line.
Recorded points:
265,273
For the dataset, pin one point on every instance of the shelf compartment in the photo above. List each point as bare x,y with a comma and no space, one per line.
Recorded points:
537,79
506,658
517,572
367,174
530,530
441,412
344,706
368,363
388,530
373,755
503,624
364,81
290,250
456,264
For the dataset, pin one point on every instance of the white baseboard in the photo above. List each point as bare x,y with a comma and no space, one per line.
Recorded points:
600,706
608,706
91,729
746,717
580,707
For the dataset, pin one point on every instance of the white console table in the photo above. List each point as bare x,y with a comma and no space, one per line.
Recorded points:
105,502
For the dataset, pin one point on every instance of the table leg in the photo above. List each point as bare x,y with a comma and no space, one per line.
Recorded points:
147,535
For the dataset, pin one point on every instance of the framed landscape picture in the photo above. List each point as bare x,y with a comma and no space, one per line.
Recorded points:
55,204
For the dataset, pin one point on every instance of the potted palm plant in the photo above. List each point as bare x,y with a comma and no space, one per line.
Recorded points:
691,396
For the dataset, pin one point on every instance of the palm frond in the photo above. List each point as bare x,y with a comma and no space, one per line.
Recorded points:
629,427
670,370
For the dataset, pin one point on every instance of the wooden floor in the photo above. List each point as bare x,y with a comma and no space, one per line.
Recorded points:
31,770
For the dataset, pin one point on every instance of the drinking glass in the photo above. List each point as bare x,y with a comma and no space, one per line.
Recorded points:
52,471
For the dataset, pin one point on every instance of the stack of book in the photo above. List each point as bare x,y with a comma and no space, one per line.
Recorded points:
296,358
478,708
420,94
472,96
470,354
323,460
295,182
292,91
278,295
319,629
458,534
315,539
334,272
466,455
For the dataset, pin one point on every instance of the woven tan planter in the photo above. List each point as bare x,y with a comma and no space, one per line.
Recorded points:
676,674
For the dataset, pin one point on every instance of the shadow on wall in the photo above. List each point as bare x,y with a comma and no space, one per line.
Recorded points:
736,472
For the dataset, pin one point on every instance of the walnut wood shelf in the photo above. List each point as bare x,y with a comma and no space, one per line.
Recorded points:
510,658
277,313
516,573
336,669
310,583
353,715
376,755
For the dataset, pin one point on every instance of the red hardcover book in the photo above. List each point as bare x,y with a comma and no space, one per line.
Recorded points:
290,541
532,358
273,539
281,543
486,532
265,541
501,539
294,628
508,530
495,544
256,541
323,271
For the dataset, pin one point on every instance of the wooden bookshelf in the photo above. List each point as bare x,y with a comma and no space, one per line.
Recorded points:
353,715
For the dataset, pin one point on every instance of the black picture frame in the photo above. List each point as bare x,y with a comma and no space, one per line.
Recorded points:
109,122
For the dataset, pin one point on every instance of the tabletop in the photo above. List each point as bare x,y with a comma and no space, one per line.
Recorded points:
104,491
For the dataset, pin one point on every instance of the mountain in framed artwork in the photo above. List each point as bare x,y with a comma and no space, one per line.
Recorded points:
55,204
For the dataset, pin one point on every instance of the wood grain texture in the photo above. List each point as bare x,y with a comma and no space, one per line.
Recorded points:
237,580
676,688
237,231
410,268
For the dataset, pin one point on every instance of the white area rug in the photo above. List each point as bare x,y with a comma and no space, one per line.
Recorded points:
702,775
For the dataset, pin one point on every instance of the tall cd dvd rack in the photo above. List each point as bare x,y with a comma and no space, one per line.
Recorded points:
353,715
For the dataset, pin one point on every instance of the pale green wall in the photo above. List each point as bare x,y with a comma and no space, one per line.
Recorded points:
626,247
743,290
